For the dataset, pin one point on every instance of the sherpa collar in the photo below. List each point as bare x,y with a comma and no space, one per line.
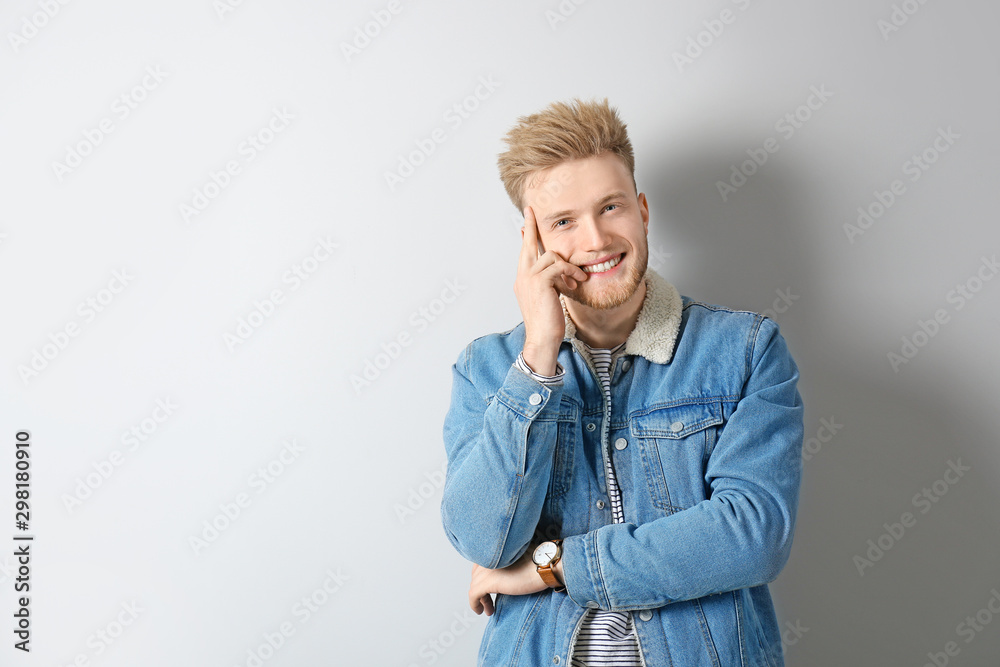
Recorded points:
655,334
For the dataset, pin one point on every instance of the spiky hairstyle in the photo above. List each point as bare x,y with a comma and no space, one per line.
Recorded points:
558,133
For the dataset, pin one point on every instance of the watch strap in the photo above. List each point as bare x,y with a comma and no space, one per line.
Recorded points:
546,573
548,576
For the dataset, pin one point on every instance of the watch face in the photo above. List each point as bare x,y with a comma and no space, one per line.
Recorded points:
544,553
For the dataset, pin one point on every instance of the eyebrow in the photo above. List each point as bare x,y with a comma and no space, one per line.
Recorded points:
600,204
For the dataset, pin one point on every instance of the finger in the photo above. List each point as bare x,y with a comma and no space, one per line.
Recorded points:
488,604
551,258
477,589
559,259
539,248
574,278
529,243
475,599
561,268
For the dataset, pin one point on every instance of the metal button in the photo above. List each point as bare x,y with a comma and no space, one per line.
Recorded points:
677,426
555,660
535,399
625,366
645,614
621,443
591,426
591,604
600,504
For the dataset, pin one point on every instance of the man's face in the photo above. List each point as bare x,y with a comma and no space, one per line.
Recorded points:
588,213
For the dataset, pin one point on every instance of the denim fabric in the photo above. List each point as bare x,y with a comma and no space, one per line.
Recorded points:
709,471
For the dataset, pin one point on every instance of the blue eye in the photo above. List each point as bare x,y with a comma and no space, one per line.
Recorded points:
610,206
560,222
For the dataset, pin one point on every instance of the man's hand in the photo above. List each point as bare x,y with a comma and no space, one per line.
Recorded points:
521,578
538,279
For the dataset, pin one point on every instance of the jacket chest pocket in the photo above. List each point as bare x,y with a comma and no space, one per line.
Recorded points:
675,442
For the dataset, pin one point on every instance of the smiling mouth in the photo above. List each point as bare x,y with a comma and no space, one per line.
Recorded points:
603,266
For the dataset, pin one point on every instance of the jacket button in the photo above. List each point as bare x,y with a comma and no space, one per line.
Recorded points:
591,604
555,660
677,426
535,399
591,426
600,504
625,365
645,614
621,443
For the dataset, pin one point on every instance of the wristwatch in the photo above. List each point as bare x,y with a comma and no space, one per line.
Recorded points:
545,556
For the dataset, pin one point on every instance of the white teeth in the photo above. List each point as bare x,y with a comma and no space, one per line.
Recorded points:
604,266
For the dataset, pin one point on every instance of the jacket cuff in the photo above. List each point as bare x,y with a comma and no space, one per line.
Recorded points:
582,571
547,380
528,397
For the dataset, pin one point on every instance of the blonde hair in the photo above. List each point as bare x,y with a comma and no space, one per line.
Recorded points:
558,133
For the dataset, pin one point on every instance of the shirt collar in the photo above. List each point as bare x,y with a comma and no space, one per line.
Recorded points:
655,334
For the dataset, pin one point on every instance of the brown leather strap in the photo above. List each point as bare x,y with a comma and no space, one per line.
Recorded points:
549,577
546,573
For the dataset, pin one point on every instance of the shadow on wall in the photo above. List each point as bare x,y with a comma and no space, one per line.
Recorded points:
895,554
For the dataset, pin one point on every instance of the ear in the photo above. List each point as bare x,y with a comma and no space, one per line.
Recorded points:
644,212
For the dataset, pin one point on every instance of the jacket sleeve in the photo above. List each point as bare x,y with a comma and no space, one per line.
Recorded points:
500,445
741,536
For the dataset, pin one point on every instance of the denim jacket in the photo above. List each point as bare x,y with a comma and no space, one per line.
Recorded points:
705,434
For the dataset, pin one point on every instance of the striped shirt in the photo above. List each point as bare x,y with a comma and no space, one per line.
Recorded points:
606,638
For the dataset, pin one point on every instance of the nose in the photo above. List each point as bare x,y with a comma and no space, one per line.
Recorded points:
595,237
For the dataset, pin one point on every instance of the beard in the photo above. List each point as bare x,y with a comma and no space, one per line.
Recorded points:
617,293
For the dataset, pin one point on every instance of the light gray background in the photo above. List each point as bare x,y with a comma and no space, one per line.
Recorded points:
368,453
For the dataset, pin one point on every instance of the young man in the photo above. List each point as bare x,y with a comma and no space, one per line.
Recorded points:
624,465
